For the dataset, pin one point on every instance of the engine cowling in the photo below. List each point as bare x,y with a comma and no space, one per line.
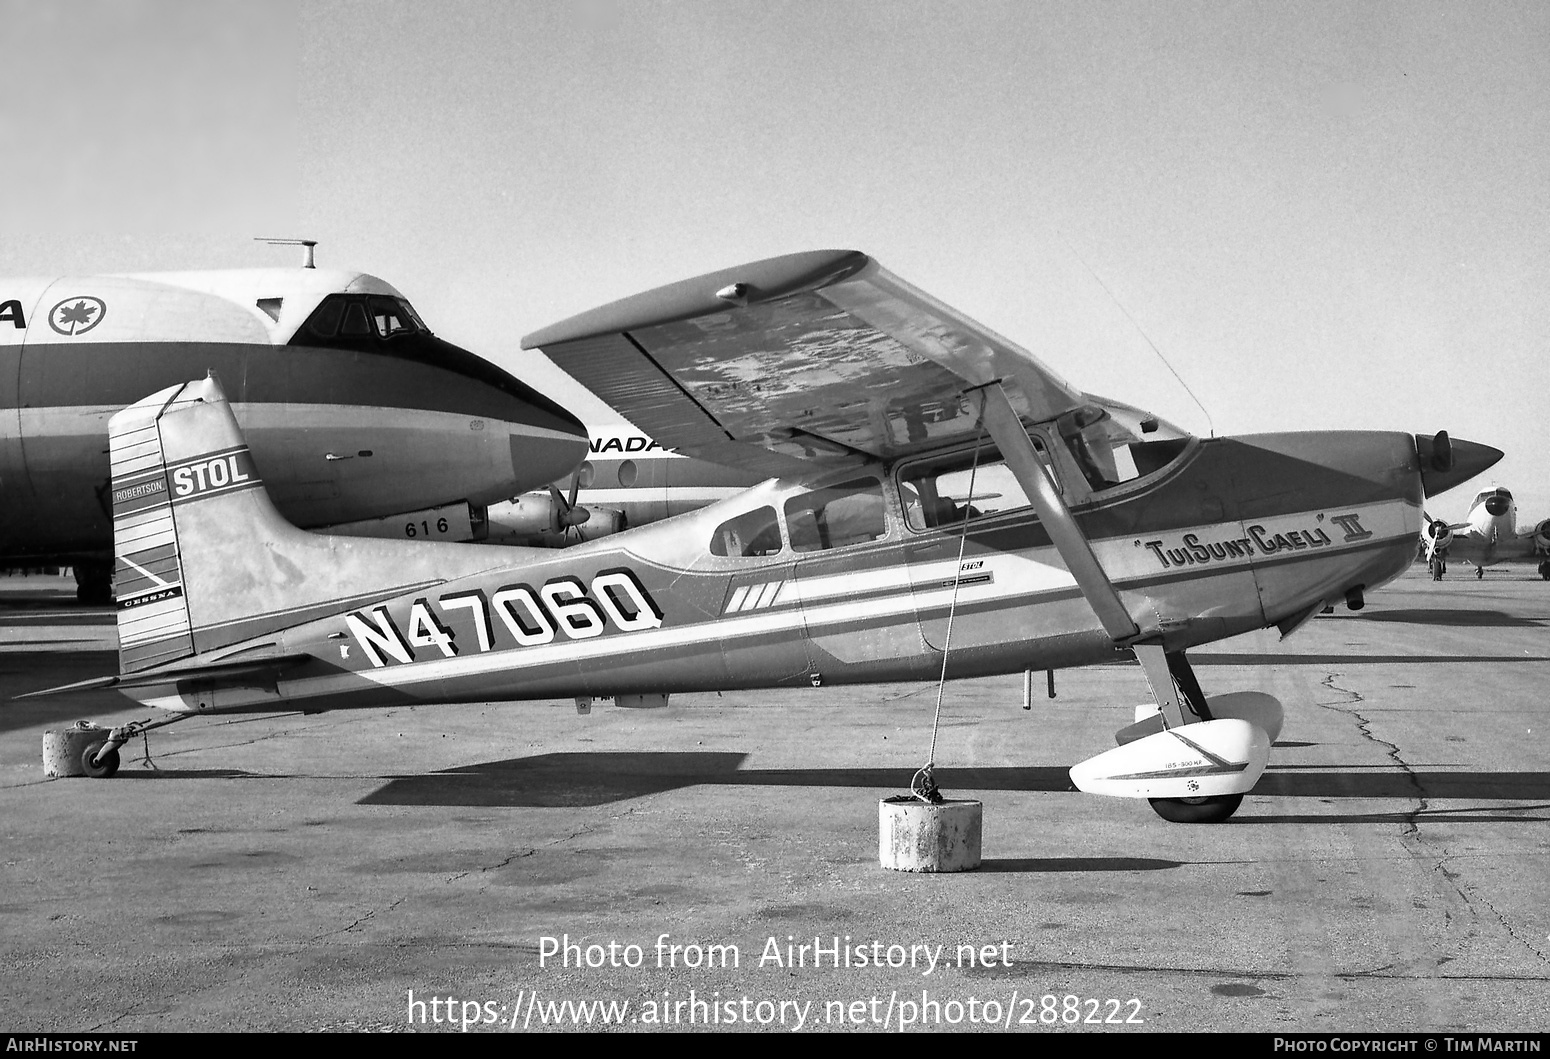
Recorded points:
1542,537
1440,536
544,520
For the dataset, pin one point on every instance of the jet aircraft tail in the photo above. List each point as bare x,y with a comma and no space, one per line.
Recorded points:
203,560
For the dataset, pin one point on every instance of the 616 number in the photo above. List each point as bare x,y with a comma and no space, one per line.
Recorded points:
411,530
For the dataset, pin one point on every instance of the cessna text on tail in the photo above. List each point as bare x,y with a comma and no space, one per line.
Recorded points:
935,492
353,409
1490,535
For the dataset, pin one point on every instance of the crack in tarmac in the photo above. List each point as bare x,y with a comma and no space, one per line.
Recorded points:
521,854
1410,834
1364,725
362,919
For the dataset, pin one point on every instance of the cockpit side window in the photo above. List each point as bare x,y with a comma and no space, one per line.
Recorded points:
324,321
1111,453
945,490
1104,462
837,516
754,533
389,319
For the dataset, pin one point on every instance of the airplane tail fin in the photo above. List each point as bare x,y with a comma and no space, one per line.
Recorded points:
203,560
154,625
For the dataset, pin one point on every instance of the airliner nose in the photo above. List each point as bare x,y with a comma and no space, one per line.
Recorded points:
1446,462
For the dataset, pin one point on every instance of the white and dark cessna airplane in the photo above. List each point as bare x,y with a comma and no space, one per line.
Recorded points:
938,500
354,410
1489,536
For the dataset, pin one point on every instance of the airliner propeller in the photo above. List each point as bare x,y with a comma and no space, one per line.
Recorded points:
564,514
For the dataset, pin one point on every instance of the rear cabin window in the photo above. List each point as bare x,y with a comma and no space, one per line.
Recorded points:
755,533
836,517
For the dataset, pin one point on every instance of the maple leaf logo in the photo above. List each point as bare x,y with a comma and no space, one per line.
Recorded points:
76,316
81,313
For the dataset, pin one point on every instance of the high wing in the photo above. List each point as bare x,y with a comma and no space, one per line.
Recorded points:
798,363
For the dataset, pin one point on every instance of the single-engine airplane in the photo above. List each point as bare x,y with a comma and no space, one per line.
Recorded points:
354,410
935,491
1489,536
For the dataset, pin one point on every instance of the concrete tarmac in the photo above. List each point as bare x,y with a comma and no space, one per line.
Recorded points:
422,869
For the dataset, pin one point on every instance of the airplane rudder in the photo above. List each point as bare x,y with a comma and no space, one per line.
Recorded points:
153,621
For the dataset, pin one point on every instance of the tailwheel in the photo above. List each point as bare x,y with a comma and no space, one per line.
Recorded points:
99,770
1479,573
1212,810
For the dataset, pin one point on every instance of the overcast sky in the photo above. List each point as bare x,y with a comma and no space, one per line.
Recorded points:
1324,215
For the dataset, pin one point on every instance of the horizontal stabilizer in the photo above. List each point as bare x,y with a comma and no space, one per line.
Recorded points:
225,674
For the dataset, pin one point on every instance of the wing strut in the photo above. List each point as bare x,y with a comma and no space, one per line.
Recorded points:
1010,437
1006,429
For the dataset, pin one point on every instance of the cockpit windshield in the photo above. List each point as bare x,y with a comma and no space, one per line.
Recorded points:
1110,452
363,314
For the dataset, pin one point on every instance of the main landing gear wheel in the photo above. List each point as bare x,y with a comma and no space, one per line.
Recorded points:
1479,573
1212,810
95,769
1544,571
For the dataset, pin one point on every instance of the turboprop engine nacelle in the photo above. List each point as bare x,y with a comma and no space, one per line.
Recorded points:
544,520
1440,536
1542,537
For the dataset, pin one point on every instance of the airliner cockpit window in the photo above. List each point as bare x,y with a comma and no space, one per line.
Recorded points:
324,321
390,317
363,315
355,320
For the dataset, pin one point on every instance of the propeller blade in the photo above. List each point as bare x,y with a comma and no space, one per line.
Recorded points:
557,509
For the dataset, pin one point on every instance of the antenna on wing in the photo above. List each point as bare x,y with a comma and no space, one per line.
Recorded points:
306,245
1209,421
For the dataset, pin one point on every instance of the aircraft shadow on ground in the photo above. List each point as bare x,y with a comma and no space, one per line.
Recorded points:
21,673
1209,658
1024,865
1469,619
602,777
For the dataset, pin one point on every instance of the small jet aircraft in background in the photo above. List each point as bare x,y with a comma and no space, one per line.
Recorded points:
1488,537
940,504
354,410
